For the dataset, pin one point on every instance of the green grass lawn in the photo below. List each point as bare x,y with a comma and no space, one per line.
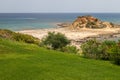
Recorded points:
20,61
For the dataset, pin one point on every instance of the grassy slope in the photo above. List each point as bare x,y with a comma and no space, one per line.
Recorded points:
19,61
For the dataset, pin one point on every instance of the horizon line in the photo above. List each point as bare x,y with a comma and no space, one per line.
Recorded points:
54,12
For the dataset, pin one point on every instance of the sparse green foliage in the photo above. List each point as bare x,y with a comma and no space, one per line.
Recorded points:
107,50
104,46
114,52
25,38
7,34
90,49
55,40
91,25
70,49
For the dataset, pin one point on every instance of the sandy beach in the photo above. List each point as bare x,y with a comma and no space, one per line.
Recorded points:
76,36
73,35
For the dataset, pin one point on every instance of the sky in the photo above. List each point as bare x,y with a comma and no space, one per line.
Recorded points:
59,6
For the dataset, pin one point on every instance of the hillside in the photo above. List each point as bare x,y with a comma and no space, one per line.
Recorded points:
15,36
21,61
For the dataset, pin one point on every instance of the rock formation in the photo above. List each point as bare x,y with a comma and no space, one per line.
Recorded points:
64,24
90,22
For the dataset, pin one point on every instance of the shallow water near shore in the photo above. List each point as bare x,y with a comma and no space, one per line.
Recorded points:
24,21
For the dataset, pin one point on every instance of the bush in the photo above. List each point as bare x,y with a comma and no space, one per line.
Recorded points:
114,52
107,50
104,46
25,38
7,34
55,40
4,33
70,49
97,50
90,49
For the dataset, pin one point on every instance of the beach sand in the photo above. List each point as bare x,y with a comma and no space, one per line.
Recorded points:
70,34
73,35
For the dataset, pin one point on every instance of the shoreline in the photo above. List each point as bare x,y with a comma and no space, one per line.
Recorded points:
70,33
76,36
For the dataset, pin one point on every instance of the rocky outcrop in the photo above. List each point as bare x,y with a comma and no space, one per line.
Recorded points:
63,24
90,22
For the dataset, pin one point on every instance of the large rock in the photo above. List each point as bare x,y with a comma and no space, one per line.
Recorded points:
90,22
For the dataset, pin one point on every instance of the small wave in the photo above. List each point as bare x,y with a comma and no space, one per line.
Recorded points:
26,18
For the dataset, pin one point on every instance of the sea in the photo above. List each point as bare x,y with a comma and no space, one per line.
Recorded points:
25,21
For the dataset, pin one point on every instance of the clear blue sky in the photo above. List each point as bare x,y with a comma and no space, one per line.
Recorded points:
52,6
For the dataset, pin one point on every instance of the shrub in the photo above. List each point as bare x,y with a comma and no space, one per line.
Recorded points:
7,34
91,24
118,43
25,38
114,52
104,46
90,49
4,33
70,49
55,40
97,50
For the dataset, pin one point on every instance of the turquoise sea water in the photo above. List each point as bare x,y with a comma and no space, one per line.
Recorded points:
22,21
